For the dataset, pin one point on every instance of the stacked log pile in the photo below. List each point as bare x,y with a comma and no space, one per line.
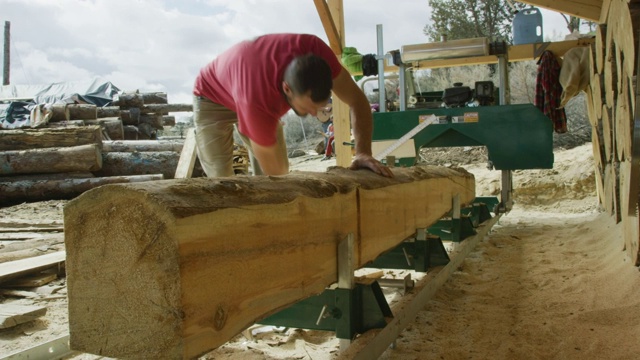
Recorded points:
611,104
85,146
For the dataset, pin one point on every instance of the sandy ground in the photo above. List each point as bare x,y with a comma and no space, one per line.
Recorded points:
550,282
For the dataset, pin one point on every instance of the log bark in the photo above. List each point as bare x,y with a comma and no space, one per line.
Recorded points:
166,108
46,138
60,112
64,124
140,163
112,126
156,121
216,255
32,190
128,100
82,112
51,160
108,111
142,146
130,132
130,117
154,98
168,120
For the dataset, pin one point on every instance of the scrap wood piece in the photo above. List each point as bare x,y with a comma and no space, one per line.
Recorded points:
30,281
14,269
188,156
12,315
216,255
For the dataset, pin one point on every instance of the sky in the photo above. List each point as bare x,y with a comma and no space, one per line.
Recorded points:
160,45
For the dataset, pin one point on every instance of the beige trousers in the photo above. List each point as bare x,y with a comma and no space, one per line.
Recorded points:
214,138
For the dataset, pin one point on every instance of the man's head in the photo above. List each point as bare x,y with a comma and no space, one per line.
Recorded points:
307,84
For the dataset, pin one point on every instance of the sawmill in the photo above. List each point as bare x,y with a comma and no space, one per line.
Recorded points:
176,266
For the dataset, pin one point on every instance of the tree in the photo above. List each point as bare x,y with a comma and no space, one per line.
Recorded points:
463,19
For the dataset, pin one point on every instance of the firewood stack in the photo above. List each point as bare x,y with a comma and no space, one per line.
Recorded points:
84,146
611,104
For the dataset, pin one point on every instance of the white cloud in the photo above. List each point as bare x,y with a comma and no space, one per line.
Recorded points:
160,45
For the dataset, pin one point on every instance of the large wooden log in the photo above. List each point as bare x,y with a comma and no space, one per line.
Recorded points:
139,163
142,145
60,112
51,160
128,100
166,108
45,138
216,255
82,112
111,126
154,98
17,191
108,111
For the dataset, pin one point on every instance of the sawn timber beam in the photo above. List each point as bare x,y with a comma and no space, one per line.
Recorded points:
176,268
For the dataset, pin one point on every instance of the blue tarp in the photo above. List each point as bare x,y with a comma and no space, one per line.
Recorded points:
16,114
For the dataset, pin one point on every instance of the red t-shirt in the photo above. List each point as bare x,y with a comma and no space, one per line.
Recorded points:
247,79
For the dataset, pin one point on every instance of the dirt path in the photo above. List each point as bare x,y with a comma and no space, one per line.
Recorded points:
542,286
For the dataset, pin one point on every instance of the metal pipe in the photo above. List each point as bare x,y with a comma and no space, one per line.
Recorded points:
382,93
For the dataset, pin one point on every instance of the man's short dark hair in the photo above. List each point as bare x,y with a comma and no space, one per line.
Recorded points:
309,73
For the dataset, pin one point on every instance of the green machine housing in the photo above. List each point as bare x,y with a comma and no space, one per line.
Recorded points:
517,137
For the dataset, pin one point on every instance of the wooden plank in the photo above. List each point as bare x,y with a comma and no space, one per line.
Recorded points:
14,269
12,315
188,156
32,280
216,255
21,235
329,25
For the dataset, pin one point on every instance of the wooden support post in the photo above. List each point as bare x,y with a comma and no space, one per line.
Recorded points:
187,156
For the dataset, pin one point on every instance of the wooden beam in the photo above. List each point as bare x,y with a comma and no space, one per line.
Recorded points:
176,268
584,9
329,26
515,52
188,157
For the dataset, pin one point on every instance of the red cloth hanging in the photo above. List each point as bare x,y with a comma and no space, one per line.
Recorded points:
549,91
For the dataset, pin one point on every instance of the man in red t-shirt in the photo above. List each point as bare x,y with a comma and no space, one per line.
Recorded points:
254,83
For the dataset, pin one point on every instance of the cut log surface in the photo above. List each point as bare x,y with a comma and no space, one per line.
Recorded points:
46,138
51,160
216,255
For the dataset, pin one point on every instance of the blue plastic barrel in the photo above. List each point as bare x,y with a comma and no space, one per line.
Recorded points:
527,26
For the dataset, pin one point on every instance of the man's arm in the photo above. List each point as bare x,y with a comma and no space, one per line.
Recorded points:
361,121
270,161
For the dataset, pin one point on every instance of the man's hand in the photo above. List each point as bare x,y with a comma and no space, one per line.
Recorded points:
362,161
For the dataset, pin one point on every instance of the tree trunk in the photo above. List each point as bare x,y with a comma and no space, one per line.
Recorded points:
82,112
154,98
168,120
66,123
112,126
130,132
131,116
154,120
108,111
141,146
46,138
26,190
164,109
60,112
128,100
51,160
216,255
139,163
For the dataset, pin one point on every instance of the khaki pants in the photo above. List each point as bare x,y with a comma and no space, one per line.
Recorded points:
214,138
